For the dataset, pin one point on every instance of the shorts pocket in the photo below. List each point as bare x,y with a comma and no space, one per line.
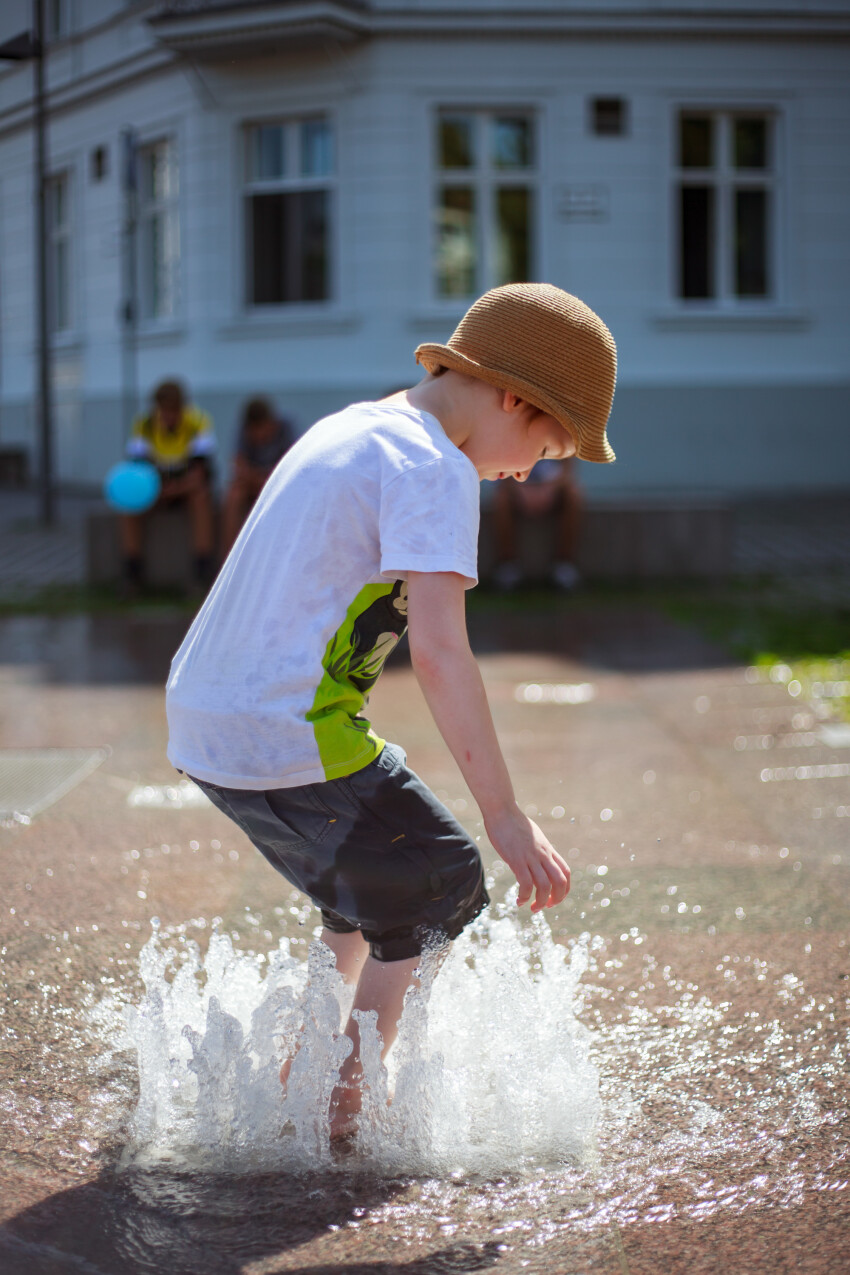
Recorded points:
298,818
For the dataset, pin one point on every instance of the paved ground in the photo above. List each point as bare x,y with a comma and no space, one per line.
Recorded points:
707,822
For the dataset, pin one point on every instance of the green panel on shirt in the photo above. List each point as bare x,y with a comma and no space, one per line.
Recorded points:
353,660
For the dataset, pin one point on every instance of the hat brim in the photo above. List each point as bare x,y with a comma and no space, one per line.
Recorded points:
432,354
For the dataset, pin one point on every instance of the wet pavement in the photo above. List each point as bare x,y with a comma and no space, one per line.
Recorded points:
707,821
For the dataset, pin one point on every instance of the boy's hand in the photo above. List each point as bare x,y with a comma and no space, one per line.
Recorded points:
537,866
452,685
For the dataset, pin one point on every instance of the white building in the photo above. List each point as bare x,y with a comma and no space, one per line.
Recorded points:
323,184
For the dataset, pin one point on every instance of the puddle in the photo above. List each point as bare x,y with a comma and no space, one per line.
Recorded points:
544,1092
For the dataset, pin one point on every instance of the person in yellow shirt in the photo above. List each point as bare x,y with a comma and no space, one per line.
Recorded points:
178,439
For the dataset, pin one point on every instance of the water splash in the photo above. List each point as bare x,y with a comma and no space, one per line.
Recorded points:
179,796
491,1071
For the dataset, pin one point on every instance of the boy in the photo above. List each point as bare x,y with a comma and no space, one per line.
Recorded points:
264,438
178,439
369,525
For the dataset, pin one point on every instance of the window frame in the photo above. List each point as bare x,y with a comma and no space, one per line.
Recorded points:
485,179
246,186
147,319
724,178
58,21
65,236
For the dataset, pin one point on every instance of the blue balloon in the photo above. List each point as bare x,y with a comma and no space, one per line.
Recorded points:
132,486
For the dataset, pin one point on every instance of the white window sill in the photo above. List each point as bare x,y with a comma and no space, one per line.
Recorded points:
70,342
167,332
759,317
293,321
442,318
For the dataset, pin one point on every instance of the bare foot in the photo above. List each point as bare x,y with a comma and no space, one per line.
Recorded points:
346,1103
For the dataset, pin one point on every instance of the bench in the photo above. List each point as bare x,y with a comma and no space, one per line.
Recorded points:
641,539
14,467
629,539
169,560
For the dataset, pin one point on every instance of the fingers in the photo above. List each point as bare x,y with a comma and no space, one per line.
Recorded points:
526,887
544,891
564,872
541,873
551,878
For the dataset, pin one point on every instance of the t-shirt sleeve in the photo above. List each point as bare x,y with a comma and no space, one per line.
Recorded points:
429,520
138,444
202,437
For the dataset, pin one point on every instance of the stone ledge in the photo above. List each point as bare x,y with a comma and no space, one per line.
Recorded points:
629,540
14,467
168,556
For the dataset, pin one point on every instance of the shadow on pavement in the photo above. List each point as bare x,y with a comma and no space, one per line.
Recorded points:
130,648
135,647
150,1222
624,637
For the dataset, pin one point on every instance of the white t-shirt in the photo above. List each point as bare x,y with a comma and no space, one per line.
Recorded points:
268,687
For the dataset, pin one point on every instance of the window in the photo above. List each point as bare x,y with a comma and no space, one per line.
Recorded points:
725,205
99,163
608,116
57,19
484,200
288,211
58,231
158,231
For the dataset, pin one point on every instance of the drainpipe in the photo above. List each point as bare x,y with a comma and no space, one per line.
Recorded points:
130,302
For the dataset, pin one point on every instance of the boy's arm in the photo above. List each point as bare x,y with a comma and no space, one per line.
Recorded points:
451,683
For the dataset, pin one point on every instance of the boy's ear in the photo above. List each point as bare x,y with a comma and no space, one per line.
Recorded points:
510,401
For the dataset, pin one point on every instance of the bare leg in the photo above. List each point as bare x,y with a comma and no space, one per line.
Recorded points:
569,522
350,951
201,519
504,521
239,501
131,534
231,516
382,987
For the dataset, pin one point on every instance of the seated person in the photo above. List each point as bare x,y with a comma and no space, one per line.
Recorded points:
263,440
551,486
177,438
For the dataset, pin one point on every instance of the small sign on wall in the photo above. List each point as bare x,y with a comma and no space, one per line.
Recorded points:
583,203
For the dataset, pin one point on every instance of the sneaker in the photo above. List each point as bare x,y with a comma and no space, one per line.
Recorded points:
507,576
565,576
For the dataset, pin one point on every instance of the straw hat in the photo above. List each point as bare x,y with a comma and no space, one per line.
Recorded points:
547,347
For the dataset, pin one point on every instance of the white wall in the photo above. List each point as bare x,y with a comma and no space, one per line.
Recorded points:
381,96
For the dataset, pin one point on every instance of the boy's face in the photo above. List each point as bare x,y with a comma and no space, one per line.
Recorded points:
262,430
169,415
517,437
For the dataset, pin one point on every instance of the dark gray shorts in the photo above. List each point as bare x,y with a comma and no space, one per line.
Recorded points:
375,851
